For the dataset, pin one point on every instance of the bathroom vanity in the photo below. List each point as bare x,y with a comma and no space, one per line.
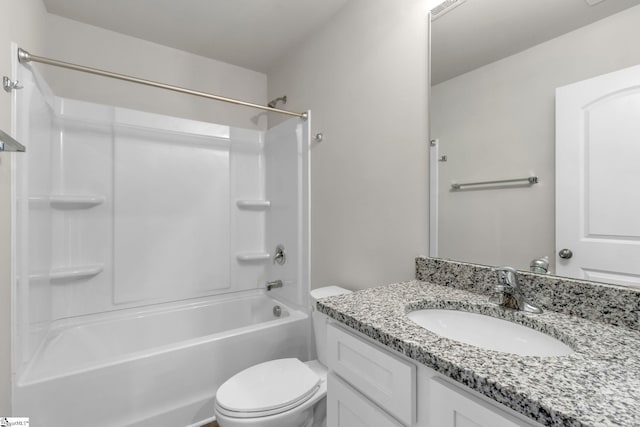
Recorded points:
387,370
369,385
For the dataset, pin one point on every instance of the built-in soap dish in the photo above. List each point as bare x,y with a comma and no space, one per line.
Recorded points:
67,201
62,274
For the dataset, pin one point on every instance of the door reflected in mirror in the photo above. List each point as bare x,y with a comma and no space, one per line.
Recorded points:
496,66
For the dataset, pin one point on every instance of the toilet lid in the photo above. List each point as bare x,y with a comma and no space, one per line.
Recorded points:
268,386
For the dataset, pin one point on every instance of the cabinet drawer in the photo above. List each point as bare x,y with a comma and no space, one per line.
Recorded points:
348,408
385,379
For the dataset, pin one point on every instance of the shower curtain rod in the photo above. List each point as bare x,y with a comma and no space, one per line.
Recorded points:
24,56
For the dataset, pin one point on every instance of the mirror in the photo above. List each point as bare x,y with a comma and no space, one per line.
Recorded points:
495,67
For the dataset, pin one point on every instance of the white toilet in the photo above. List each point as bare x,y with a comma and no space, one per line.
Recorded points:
282,392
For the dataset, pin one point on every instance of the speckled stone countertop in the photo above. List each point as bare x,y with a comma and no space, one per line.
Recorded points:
598,385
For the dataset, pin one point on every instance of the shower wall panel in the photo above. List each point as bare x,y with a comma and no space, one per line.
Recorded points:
120,208
287,181
33,293
81,201
171,214
249,254
159,228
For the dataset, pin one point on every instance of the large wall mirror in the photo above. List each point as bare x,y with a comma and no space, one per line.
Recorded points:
547,91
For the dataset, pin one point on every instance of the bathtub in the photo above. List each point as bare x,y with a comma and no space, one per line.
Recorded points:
157,366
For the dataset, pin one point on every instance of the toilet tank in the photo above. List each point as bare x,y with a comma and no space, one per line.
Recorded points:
320,320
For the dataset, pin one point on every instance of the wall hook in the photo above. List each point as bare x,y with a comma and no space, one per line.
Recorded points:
10,85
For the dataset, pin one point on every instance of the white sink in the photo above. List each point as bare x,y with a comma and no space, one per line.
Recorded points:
489,333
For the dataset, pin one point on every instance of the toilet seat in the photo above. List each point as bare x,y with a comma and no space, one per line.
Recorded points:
268,388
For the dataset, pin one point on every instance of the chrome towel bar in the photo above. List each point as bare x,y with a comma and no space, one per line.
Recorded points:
530,179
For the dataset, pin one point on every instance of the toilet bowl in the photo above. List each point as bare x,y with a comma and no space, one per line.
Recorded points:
278,393
282,392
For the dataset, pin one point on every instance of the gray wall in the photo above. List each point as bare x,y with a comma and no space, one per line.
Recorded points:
84,44
364,78
499,122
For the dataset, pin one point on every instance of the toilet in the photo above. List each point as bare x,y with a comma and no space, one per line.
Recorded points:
282,392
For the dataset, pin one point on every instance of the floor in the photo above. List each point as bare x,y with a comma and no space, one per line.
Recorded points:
213,424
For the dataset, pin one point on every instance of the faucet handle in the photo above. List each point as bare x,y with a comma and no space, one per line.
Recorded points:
508,284
280,257
507,277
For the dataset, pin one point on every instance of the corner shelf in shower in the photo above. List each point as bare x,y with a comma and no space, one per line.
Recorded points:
77,272
67,201
253,256
253,204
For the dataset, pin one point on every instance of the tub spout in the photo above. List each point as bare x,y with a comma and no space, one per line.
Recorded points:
274,284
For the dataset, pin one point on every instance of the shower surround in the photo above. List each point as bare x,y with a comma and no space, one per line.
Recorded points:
142,247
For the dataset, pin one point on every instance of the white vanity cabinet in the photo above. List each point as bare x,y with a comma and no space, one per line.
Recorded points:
369,385
346,407
371,375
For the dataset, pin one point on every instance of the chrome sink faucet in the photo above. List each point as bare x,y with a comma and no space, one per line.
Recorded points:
511,292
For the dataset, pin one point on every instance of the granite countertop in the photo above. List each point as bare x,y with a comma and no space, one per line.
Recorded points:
598,385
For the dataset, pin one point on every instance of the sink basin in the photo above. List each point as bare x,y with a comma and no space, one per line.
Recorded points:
489,333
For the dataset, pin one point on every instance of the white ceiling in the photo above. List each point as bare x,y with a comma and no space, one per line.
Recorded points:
479,32
248,33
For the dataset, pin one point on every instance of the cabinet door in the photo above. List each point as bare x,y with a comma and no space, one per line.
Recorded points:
348,408
450,406
384,378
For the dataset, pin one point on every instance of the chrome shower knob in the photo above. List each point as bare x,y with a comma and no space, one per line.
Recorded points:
280,256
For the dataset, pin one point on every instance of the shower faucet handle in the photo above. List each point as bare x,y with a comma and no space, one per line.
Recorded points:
280,256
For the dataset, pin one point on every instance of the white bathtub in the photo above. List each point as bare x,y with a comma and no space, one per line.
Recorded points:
153,367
